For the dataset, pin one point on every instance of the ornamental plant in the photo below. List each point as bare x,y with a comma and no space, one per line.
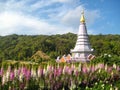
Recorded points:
58,76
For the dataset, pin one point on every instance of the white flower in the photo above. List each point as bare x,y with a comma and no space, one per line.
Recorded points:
112,73
106,67
3,79
103,86
116,88
15,72
64,69
48,66
96,83
109,55
114,66
7,75
86,87
21,77
33,73
111,88
105,54
99,70
45,72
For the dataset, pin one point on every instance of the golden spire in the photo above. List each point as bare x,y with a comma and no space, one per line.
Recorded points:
82,19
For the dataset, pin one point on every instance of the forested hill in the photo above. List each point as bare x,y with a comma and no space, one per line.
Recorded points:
21,47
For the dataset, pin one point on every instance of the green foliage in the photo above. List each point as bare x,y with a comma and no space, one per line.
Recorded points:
107,59
22,47
106,44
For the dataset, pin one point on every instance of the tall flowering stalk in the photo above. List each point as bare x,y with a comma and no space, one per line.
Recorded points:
12,76
1,72
61,76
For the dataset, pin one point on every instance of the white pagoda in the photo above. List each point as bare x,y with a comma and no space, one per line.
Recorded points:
82,49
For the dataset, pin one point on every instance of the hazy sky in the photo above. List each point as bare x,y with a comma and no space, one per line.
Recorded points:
33,17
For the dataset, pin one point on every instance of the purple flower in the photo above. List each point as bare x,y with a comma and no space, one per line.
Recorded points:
28,74
59,71
84,69
50,68
76,73
11,75
1,71
55,72
22,85
66,69
24,70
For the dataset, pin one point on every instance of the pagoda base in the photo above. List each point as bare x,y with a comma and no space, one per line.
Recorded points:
80,59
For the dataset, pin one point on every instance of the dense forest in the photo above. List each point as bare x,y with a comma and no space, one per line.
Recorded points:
22,47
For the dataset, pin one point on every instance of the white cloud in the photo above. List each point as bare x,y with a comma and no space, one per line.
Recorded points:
41,4
29,16
11,23
72,17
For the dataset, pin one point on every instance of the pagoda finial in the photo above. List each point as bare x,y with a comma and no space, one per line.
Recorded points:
82,19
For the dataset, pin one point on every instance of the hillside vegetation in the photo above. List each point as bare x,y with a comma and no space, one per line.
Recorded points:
23,47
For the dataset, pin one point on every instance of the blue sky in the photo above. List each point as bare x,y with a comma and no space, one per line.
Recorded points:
34,17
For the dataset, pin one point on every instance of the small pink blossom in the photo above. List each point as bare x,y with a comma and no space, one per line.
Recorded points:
1,71
92,68
84,69
109,69
40,72
12,76
28,74
76,73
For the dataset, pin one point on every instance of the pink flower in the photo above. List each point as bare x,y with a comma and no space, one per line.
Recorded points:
84,69
55,72
66,69
72,67
118,68
24,70
69,71
1,71
28,74
11,75
76,73
101,65
59,71
51,76
40,72
22,85
109,69
92,68
50,68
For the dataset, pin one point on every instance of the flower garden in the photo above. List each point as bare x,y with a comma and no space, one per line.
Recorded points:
59,76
